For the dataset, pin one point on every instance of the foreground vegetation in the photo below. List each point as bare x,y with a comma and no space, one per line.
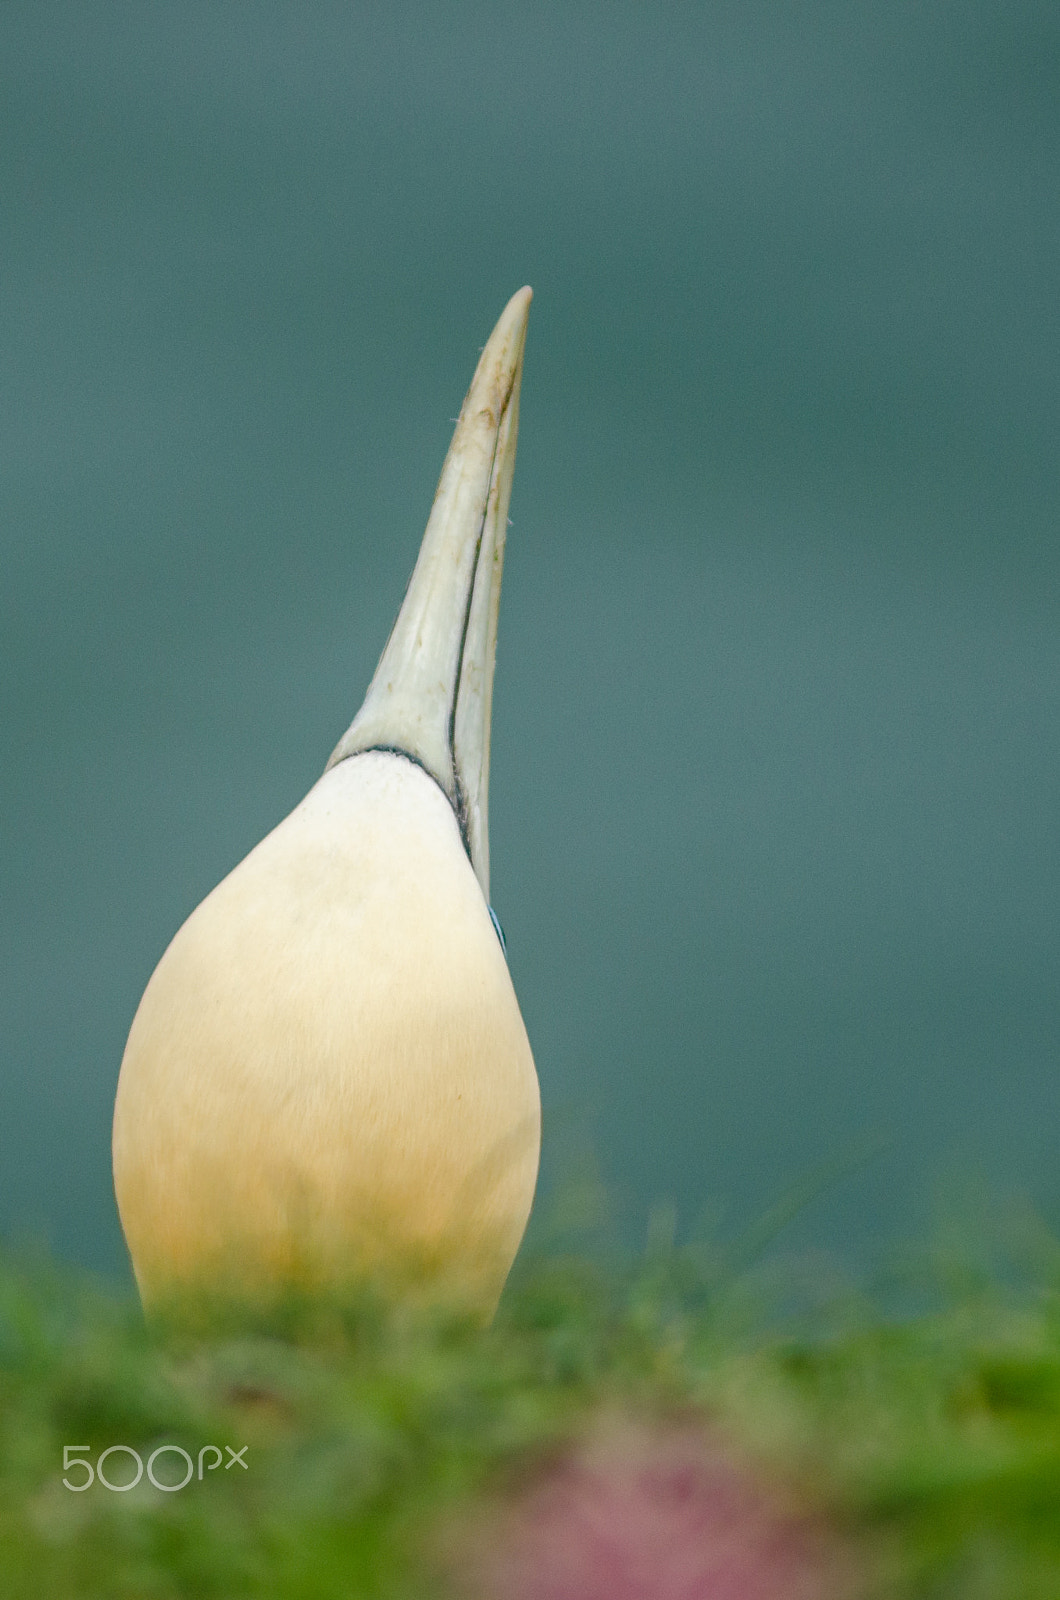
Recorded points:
916,1428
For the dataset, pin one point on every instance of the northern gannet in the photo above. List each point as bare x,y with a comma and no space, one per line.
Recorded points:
328,1076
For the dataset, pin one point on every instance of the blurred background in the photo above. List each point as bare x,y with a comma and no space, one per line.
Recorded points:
776,786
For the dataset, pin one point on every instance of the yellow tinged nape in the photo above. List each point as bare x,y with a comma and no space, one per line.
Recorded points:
328,1078
328,1074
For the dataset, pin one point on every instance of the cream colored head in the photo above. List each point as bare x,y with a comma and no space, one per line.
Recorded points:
328,1076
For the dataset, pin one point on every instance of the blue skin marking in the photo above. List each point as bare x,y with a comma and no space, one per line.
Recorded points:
499,930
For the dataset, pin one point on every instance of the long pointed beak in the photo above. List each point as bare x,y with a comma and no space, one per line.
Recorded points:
432,691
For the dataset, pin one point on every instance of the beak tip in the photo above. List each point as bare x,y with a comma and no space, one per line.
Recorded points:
513,317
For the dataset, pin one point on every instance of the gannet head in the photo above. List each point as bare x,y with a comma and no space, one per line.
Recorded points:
328,1075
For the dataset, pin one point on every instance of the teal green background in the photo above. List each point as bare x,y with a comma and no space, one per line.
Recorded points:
776,785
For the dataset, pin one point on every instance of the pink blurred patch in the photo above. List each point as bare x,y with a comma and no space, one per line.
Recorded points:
653,1512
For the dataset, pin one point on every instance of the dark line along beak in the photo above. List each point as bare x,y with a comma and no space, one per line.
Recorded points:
431,695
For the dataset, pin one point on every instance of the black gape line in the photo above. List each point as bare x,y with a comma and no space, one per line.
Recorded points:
458,812
471,598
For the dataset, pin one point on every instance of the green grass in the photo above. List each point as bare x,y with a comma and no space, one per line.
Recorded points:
922,1419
